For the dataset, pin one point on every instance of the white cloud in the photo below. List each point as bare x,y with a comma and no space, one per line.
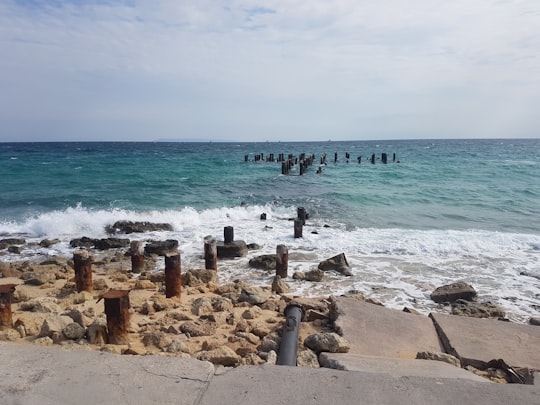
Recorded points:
302,69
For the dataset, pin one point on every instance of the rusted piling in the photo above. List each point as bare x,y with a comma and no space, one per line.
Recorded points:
384,158
302,214
82,262
117,312
359,159
282,261
137,256
394,158
335,157
373,159
6,316
298,227
228,234
173,274
210,253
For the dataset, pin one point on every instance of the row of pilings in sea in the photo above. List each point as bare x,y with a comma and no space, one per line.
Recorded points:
304,161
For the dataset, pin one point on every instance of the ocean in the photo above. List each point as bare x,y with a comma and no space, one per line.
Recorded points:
443,211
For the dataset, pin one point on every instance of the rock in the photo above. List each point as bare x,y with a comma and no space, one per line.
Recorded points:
223,355
97,332
48,242
144,285
477,309
157,339
254,295
237,248
110,243
315,275
41,304
202,306
84,242
269,342
444,357
100,284
161,248
53,327
327,342
73,331
271,358
15,249
13,241
338,263
411,311
453,292
43,341
196,277
198,328
534,321
161,303
78,317
8,270
158,277
253,246
137,227
252,313
82,297
307,358
222,304
263,262
280,286
30,326
37,278
9,335
178,346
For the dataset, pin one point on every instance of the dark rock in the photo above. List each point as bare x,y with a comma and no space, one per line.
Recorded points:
137,227
477,309
84,242
338,263
110,243
263,216
253,246
15,249
237,248
263,262
48,242
161,248
453,292
13,241
534,321
311,275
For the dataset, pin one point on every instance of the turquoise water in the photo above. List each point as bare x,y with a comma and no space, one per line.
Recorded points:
449,210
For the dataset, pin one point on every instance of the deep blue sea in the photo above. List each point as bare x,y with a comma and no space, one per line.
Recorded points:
445,210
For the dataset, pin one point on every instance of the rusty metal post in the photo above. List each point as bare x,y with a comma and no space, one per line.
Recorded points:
298,226
210,253
137,256
228,234
302,214
6,317
117,312
282,261
173,273
82,263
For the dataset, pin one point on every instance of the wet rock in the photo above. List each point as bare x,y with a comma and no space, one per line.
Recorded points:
84,242
137,227
224,356
198,328
48,242
263,262
315,275
477,309
327,342
73,331
161,248
280,286
16,249
307,358
110,243
13,241
237,248
337,263
444,357
534,321
253,246
453,292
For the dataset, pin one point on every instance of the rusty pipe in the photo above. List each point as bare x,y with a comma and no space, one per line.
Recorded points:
289,340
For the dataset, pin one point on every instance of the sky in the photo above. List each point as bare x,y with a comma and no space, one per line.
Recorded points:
268,70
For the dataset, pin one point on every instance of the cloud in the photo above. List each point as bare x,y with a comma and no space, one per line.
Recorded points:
268,69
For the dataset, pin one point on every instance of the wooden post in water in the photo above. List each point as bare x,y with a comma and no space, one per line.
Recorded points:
298,226
137,256
210,253
228,234
282,261
173,274
82,262
6,316
302,214
117,312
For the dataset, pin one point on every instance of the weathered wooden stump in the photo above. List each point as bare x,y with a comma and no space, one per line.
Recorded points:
228,234
282,261
210,253
6,316
117,312
137,256
82,262
173,273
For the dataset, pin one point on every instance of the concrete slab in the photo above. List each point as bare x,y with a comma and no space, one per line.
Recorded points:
49,375
477,341
397,367
373,330
271,385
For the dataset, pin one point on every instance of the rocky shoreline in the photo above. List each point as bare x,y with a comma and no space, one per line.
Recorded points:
228,324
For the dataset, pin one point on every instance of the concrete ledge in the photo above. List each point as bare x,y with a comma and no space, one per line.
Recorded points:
397,367
373,330
477,341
